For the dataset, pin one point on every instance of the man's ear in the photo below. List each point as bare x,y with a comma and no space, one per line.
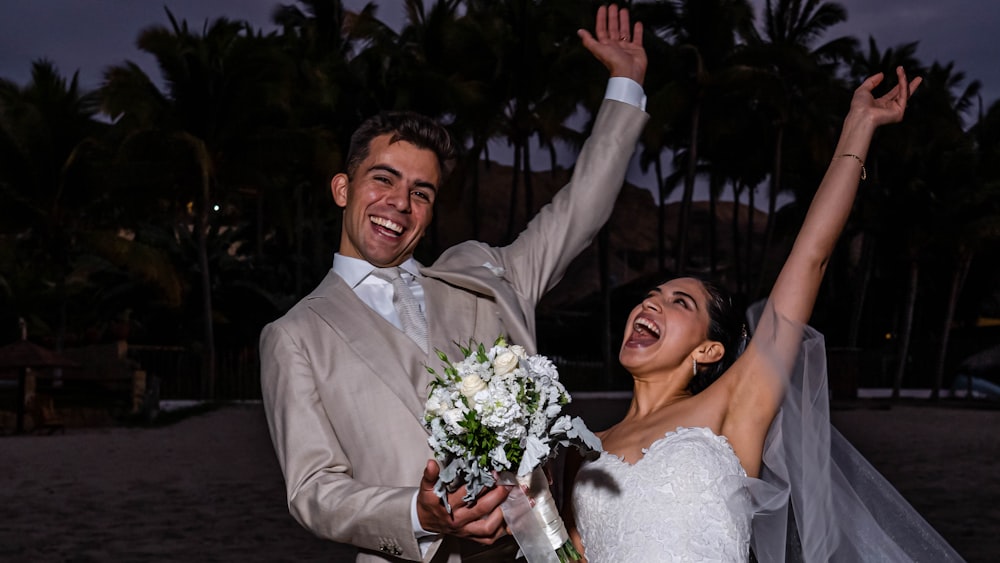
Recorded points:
338,187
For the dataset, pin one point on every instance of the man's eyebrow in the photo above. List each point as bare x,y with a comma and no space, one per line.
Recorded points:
390,170
385,168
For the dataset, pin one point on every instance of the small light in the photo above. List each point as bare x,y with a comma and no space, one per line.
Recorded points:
216,207
888,336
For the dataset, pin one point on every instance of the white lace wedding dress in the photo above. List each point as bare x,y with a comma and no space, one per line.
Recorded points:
685,500
817,498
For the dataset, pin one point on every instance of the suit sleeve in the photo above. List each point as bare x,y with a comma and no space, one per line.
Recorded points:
322,494
561,230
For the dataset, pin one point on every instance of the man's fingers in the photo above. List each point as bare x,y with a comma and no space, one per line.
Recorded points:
430,477
601,27
637,34
485,530
623,25
614,31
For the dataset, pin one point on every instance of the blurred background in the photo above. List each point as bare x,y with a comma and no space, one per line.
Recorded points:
164,179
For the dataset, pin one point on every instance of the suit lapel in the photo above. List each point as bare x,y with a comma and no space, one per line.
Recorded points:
386,351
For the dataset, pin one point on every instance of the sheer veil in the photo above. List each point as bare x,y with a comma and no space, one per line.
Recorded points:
841,508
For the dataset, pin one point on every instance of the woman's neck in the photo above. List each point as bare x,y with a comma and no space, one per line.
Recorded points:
651,394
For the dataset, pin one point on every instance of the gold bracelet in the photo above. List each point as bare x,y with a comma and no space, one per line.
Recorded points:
864,173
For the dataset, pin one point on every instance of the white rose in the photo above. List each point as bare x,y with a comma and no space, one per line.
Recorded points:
471,384
519,351
504,363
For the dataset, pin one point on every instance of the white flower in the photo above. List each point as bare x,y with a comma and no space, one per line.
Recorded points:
512,401
542,366
499,457
453,419
504,363
437,405
472,384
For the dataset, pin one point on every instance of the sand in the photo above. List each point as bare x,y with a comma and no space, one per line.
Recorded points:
208,487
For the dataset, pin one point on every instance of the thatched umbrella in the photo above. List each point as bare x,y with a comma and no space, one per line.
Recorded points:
22,356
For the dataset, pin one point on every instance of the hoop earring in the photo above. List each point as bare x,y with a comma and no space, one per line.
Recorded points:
694,366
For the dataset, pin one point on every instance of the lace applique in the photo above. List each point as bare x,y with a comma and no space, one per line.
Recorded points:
684,500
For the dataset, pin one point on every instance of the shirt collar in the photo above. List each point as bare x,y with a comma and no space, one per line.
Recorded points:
354,270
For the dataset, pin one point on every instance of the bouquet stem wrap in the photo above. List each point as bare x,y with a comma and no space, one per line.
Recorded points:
538,529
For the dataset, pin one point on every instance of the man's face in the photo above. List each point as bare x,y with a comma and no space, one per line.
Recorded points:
388,203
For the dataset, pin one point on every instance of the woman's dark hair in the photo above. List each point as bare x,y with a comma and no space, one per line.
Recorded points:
725,325
414,128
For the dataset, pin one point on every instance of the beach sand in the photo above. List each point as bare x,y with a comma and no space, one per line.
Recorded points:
208,487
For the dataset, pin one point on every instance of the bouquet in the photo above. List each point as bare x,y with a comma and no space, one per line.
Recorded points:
497,412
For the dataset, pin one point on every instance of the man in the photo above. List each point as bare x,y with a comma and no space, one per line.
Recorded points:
344,385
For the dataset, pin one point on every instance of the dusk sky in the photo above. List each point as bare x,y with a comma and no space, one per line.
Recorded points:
89,35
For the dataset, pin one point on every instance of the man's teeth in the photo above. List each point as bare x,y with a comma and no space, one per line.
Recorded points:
647,326
385,223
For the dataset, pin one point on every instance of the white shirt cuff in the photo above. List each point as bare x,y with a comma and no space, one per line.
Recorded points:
424,538
626,90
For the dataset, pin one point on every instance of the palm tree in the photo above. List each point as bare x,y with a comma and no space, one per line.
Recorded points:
970,216
534,88
873,203
48,188
706,35
918,164
797,86
328,98
222,88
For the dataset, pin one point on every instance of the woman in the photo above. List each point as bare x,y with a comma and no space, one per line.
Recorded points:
673,482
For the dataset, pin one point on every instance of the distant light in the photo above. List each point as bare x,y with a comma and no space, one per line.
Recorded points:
888,336
216,207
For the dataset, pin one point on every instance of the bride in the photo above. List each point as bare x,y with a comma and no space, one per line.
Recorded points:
707,450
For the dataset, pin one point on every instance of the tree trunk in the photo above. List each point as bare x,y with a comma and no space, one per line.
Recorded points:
713,215
661,218
529,195
604,265
299,236
906,330
514,175
751,213
685,212
474,196
202,227
861,291
737,244
957,282
772,206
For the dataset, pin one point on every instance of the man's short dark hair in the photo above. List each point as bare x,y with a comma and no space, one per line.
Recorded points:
414,128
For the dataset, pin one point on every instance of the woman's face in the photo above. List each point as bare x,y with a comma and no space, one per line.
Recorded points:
663,330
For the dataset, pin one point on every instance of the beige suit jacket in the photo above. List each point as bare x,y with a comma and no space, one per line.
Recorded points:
344,389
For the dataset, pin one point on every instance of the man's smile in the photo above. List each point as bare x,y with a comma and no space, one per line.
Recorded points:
396,228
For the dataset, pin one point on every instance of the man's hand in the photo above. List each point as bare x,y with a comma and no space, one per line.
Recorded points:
482,522
617,45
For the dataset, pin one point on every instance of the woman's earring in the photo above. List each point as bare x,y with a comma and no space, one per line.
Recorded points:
694,366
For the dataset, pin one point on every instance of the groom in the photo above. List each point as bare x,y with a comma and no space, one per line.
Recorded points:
343,373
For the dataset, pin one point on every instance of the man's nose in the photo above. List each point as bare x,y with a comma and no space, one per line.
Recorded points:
399,198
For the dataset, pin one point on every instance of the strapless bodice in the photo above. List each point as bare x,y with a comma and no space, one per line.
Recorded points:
685,500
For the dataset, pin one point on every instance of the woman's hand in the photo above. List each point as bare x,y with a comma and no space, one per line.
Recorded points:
618,48
888,108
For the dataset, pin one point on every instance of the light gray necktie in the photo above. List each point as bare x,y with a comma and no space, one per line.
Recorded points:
410,316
